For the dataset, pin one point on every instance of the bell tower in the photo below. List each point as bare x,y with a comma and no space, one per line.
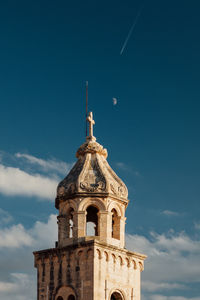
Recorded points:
90,261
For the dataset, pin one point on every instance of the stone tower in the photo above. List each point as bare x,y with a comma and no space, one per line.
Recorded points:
89,261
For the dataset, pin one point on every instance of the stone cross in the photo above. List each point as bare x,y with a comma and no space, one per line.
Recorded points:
91,123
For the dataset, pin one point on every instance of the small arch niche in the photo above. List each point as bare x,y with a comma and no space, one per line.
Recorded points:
115,225
116,296
92,221
59,298
71,297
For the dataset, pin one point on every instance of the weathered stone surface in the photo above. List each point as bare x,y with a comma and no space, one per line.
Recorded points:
90,270
89,266
91,174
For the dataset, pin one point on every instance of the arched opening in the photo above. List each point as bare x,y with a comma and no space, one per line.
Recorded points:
115,225
92,221
70,222
65,293
71,297
116,296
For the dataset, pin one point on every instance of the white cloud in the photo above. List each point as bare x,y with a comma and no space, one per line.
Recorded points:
25,175
45,234
15,237
162,297
41,235
173,259
7,286
14,181
16,247
21,287
124,167
5,217
170,213
160,286
121,165
175,243
46,165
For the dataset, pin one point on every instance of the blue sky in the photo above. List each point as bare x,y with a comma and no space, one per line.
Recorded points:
48,50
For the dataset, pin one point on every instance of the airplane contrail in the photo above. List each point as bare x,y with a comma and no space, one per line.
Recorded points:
131,30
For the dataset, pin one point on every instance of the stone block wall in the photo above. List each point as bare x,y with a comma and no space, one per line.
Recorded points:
89,270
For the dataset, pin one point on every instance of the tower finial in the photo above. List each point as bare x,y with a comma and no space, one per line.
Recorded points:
91,124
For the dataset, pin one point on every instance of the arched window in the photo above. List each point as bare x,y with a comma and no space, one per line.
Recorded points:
92,221
70,222
116,296
60,298
71,297
115,225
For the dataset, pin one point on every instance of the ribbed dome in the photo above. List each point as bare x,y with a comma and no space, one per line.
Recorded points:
91,175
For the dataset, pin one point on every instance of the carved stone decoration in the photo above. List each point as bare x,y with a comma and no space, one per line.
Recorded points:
91,147
118,190
94,180
121,191
113,189
117,187
93,187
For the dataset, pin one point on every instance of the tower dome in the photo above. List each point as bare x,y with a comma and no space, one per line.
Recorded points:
91,175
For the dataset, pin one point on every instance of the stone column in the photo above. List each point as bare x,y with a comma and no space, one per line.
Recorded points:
117,228
105,225
62,229
122,231
79,228
51,275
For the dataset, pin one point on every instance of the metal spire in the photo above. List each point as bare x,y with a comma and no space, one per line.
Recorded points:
86,106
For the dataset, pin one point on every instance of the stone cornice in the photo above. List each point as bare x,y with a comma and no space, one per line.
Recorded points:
90,243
